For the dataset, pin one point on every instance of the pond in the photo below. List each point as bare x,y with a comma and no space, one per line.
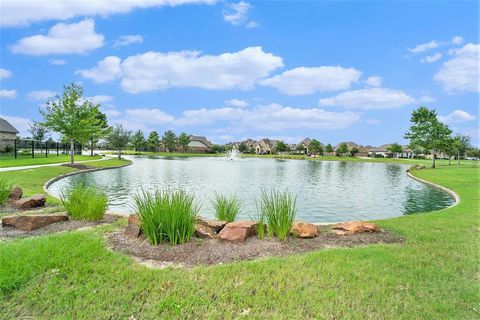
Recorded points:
327,191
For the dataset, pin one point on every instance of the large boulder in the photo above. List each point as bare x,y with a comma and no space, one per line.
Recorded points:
304,230
354,227
133,228
15,194
203,231
238,231
34,201
217,225
28,223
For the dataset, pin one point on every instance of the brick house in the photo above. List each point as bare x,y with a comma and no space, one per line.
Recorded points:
8,134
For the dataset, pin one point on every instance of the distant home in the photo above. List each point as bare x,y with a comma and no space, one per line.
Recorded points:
382,152
199,144
362,151
8,134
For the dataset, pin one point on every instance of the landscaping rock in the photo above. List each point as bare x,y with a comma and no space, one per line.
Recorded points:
238,231
217,225
16,193
34,201
28,223
202,231
354,227
304,230
133,228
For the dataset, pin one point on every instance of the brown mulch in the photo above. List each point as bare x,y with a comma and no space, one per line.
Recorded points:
70,225
78,166
212,251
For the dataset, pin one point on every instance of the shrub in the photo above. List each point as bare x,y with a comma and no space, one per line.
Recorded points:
5,187
167,216
84,203
226,208
278,210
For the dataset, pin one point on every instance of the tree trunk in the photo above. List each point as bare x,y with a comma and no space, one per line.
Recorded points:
433,159
72,151
119,154
449,160
91,148
459,158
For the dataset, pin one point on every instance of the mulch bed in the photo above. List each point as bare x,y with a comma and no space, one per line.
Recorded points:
70,225
212,251
78,166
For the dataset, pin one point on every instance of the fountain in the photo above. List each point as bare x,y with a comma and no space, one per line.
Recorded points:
233,154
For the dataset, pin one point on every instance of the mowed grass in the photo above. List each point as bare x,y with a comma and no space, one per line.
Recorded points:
41,159
433,275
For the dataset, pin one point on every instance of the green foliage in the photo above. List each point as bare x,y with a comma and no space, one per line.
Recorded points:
226,208
342,149
281,146
278,210
119,138
242,147
169,141
38,131
101,130
354,151
217,148
167,216
5,187
329,148
315,147
153,140
84,203
138,140
395,148
184,140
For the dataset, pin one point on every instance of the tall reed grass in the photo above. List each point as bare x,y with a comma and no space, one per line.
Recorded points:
167,216
84,203
227,208
5,188
277,209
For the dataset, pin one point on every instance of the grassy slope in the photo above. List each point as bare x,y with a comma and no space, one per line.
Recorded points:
12,162
434,275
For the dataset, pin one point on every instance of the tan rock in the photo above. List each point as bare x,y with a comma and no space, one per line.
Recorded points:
217,225
133,228
34,201
304,230
354,227
28,223
238,231
15,194
202,231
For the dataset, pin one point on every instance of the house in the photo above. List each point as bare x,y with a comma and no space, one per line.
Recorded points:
382,152
199,144
265,146
362,151
302,146
8,134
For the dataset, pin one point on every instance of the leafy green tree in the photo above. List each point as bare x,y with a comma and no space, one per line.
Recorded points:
242,147
329,148
300,148
315,146
100,131
71,116
354,151
169,141
119,139
395,149
427,131
138,141
184,140
281,146
462,145
38,131
342,149
217,148
153,140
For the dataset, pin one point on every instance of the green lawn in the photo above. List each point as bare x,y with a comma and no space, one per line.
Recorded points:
12,162
165,154
433,275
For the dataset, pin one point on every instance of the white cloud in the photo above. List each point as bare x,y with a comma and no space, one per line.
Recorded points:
236,103
427,98
458,40
148,116
158,71
106,70
457,116
251,24
461,73
425,47
58,62
237,14
75,38
373,98
8,94
431,58
4,73
374,81
101,99
303,80
21,124
25,12
372,121
40,95
127,40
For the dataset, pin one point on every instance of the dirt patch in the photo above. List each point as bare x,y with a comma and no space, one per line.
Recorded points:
78,166
70,225
212,251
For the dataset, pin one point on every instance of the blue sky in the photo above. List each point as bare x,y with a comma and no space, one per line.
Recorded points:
329,70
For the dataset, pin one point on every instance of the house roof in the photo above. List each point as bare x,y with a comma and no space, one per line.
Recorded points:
383,148
6,127
202,140
305,142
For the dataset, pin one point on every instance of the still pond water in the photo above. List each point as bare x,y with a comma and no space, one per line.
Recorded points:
327,191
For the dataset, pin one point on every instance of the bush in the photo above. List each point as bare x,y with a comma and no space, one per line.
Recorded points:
5,188
226,208
278,210
167,216
84,203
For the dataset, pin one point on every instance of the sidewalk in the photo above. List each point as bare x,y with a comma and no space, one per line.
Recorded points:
48,165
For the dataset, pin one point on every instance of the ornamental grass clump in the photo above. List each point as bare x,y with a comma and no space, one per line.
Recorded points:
227,208
84,203
167,216
5,187
278,210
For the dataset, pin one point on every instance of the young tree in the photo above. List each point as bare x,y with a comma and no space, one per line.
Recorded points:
217,148
138,141
427,131
153,140
462,144
342,149
119,139
169,141
354,151
71,116
242,147
100,131
315,146
38,132
281,146
184,140
329,148
395,149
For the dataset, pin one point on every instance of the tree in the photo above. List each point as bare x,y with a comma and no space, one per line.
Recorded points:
395,149
138,141
38,132
153,140
329,148
71,116
281,146
354,151
242,147
462,145
427,131
315,146
184,140
169,141
119,139
217,148
342,149
100,131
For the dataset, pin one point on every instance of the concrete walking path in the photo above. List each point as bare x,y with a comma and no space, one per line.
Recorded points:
47,165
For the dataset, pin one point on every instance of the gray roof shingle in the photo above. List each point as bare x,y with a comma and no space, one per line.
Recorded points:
6,127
